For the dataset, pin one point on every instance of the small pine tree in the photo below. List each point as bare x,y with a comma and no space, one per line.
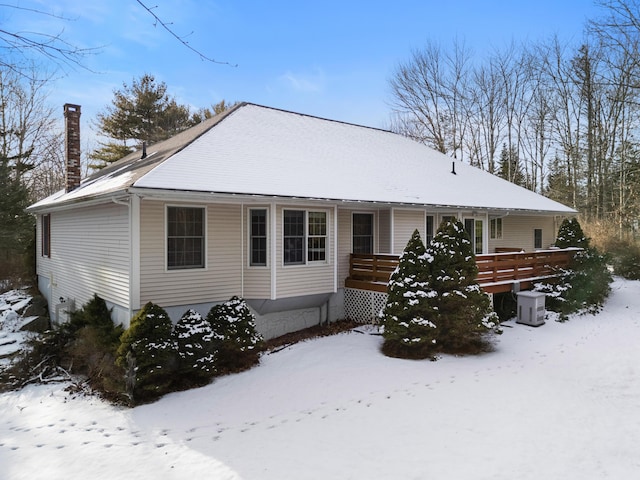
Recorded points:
194,340
97,315
236,340
16,225
147,353
408,318
570,234
585,285
464,311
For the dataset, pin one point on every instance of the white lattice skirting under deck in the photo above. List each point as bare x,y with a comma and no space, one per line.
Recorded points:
363,305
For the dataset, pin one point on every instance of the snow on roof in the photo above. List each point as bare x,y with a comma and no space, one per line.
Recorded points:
258,150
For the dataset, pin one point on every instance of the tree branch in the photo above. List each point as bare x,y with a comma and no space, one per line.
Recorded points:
165,25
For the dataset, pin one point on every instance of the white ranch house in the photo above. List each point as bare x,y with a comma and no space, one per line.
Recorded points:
268,205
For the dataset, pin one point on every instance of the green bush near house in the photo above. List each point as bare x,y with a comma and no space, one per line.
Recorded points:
435,303
465,318
197,355
236,340
408,317
147,353
95,340
584,286
85,345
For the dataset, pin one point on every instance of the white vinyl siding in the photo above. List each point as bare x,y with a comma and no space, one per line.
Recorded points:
257,278
404,224
305,279
344,244
384,232
518,232
220,280
89,255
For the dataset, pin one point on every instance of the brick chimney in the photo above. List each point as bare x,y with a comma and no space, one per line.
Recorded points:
72,144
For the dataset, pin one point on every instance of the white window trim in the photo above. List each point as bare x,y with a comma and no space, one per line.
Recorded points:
498,231
305,255
166,238
374,226
541,247
267,234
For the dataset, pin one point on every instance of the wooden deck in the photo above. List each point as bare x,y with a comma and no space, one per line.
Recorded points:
497,272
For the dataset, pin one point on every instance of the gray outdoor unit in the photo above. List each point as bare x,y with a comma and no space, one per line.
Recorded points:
531,308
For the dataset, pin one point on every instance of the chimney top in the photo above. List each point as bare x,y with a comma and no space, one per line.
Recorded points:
72,145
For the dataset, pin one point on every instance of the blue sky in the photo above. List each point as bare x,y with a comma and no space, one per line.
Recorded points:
332,58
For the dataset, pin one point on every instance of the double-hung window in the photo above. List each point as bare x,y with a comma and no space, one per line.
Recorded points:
258,237
304,237
185,237
317,237
495,226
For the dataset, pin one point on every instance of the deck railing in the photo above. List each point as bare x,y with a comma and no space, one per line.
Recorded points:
497,272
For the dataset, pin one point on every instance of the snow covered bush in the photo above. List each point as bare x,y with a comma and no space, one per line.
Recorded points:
464,314
625,258
237,343
196,352
584,286
94,345
570,234
148,354
96,315
408,317
85,345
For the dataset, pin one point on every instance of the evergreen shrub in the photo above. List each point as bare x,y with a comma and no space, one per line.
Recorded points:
625,259
464,314
94,342
584,286
408,317
147,352
194,336
236,340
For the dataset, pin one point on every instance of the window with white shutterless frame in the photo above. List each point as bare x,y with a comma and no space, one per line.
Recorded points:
185,237
304,236
258,224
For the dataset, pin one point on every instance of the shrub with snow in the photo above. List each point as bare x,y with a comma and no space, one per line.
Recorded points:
570,234
237,343
464,314
94,342
585,285
408,318
196,352
148,354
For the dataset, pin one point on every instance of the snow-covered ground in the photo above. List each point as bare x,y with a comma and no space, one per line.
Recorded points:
11,321
561,401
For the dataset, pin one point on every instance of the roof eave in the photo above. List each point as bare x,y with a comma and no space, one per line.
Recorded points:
251,197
